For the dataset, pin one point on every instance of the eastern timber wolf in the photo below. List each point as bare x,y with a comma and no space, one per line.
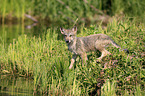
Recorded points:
81,45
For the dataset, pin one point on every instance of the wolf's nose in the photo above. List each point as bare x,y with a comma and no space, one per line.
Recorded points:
67,41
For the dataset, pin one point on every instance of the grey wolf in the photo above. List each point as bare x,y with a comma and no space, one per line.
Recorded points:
79,46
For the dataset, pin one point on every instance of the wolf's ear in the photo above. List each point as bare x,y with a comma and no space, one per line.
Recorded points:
62,30
74,29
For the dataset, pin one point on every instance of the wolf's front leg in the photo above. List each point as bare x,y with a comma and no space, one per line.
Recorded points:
73,61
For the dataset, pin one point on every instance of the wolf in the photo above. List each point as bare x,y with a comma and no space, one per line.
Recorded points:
79,46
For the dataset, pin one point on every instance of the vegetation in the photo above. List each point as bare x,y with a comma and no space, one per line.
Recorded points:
47,59
67,11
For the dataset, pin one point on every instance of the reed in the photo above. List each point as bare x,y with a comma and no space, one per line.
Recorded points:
3,11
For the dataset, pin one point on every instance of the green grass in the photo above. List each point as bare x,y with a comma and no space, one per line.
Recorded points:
67,11
47,59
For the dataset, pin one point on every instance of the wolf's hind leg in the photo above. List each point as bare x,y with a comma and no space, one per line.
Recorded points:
84,58
104,53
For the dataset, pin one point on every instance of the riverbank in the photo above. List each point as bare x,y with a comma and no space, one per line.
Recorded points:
46,59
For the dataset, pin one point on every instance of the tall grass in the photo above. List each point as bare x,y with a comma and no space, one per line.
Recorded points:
47,60
67,11
13,8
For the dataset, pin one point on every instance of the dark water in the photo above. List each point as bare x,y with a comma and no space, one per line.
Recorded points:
15,86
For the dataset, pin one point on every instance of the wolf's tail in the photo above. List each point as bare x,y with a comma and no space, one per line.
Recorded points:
117,46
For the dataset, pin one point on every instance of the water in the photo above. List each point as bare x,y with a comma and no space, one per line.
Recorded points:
15,86
8,32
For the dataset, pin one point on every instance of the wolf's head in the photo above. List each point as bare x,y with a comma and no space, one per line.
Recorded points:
69,34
